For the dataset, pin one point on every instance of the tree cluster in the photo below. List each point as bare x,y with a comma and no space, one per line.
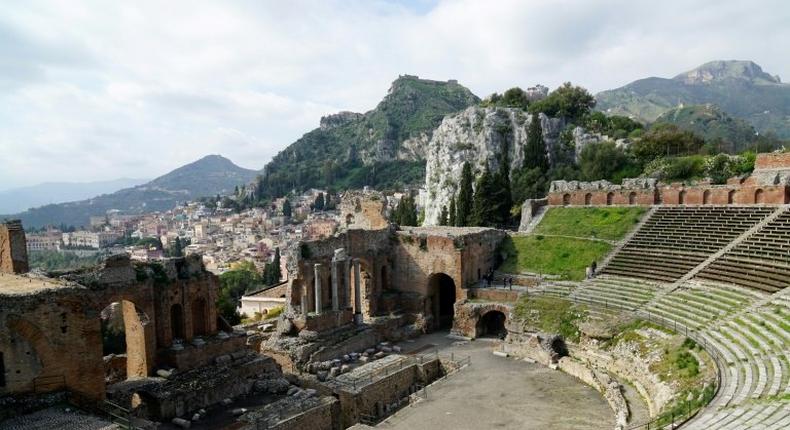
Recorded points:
405,213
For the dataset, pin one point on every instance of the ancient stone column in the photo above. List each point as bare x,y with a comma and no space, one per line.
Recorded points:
335,302
357,293
305,308
317,275
347,284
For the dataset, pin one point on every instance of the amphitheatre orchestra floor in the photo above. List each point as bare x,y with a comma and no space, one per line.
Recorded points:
496,392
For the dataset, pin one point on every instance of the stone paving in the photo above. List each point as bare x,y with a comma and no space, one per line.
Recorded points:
496,392
56,417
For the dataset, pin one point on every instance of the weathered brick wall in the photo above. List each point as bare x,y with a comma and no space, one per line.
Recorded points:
364,210
51,336
13,248
774,160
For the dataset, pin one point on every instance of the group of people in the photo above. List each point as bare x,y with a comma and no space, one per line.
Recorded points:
488,279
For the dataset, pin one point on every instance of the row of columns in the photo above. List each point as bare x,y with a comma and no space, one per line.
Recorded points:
340,261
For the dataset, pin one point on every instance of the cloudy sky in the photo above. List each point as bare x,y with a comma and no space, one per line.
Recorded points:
108,89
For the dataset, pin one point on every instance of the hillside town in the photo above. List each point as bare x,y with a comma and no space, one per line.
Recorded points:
224,236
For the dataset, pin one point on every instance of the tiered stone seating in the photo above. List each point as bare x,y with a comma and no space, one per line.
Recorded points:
618,292
674,240
761,261
558,288
756,345
699,304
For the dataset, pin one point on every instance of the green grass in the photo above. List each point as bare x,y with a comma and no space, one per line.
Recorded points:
550,315
562,256
601,223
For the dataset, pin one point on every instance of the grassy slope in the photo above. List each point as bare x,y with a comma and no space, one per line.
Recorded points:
569,256
554,255
601,223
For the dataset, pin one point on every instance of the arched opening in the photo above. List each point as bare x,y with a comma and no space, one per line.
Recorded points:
177,321
127,341
566,199
384,283
2,370
632,198
682,197
731,197
706,197
441,290
199,321
588,199
609,198
349,220
492,324
759,196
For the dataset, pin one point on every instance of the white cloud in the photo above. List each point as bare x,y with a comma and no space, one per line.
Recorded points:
100,90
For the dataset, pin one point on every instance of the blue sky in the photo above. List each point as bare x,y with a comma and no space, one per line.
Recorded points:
96,90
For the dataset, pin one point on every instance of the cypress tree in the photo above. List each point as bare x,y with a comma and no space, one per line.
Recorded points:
318,205
535,151
287,208
501,198
465,197
443,216
483,208
451,214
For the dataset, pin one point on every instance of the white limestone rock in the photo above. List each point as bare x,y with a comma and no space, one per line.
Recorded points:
477,135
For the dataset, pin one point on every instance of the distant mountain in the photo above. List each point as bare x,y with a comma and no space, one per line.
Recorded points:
712,124
19,199
740,88
208,176
383,148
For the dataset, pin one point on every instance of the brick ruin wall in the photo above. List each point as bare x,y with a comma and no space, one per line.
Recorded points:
769,184
396,268
51,338
13,248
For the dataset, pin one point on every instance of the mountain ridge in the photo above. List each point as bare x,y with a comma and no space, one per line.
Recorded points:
384,147
740,88
207,176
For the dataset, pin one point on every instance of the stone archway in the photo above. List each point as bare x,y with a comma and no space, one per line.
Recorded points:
177,321
588,199
609,199
441,292
127,330
491,324
706,197
682,197
566,199
199,317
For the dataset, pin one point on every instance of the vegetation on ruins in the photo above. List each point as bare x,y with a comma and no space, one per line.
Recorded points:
550,315
611,223
562,256
675,359
568,101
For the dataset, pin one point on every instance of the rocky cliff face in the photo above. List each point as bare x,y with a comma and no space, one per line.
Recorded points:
477,135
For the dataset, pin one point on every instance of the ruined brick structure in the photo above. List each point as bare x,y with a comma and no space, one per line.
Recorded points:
51,335
419,271
13,249
769,184
363,210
